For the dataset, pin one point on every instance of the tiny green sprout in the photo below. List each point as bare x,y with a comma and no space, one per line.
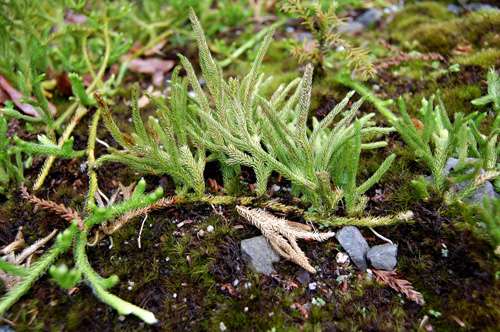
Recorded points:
65,238
64,278
140,188
454,68
434,313
110,282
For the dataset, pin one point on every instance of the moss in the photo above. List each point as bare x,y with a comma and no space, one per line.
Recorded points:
486,58
417,14
477,25
438,38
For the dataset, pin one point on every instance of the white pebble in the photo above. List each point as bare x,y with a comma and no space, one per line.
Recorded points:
342,258
222,327
210,229
313,285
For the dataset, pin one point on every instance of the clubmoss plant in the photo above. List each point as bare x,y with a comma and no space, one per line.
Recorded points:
247,129
323,25
435,139
75,237
489,213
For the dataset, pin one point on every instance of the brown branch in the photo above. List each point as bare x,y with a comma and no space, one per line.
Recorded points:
400,285
124,219
66,213
384,63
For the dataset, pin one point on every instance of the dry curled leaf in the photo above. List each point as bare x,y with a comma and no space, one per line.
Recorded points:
150,65
400,285
16,96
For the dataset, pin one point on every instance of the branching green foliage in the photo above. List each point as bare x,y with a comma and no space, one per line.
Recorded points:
493,95
47,148
323,25
75,237
242,127
10,171
163,148
249,130
435,139
490,215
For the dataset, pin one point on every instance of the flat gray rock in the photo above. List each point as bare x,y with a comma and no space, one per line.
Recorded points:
355,244
383,257
475,6
455,9
259,255
369,17
351,28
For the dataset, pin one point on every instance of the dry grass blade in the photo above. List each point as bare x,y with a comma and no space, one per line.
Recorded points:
66,213
283,234
400,285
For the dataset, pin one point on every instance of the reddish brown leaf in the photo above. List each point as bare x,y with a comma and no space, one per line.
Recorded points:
151,65
63,84
303,311
464,49
230,289
4,96
15,96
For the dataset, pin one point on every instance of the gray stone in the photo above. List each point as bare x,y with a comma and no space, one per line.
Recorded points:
304,277
6,328
305,36
369,17
259,255
475,6
477,197
383,257
355,244
351,28
455,9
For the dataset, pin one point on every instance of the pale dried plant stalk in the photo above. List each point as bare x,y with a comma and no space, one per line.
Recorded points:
11,280
283,234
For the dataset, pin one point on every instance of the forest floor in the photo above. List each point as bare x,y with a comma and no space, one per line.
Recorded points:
200,282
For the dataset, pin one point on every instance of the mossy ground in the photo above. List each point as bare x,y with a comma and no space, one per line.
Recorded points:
192,281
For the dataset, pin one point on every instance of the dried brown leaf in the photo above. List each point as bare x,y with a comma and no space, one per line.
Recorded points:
16,96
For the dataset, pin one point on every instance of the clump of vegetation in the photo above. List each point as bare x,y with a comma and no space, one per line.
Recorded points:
323,25
245,129
302,151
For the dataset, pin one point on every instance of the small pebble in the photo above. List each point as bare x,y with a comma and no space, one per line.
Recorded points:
246,309
376,87
276,188
313,285
210,229
222,327
342,258
290,29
